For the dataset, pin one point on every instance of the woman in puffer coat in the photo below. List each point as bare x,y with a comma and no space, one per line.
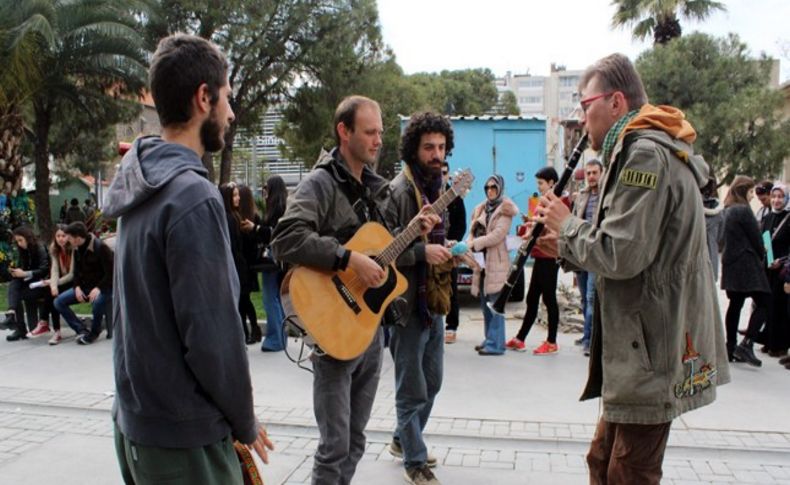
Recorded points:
490,226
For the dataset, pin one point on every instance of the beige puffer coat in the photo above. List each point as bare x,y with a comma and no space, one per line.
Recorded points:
497,258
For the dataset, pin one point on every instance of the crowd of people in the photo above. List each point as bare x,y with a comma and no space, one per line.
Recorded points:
643,238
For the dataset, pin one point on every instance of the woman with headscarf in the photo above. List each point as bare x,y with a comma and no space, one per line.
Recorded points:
491,222
743,270
777,224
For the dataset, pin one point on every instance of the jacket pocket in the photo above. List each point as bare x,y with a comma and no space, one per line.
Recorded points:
639,344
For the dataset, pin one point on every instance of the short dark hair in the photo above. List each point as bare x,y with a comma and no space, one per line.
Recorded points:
420,124
74,201
547,174
180,65
763,187
77,229
346,112
617,73
595,161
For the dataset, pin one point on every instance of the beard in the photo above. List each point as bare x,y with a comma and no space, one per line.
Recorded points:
211,134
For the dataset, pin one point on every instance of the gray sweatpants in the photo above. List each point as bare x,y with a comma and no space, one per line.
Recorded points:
343,394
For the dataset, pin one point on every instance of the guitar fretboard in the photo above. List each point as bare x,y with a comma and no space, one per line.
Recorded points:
412,231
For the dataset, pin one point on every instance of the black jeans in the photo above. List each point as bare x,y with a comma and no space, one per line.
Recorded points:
452,317
733,316
543,282
18,292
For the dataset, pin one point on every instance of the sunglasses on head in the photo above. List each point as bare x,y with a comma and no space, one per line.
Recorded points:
761,190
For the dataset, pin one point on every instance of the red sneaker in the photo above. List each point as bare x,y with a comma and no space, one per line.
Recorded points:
516,344
41,329
546,349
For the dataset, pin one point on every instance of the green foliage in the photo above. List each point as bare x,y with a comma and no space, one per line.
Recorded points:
726,97
660,17
508,104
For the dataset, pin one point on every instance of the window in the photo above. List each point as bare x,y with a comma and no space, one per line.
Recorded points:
530,83
569,81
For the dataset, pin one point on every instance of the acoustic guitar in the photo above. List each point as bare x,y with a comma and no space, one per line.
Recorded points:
332,310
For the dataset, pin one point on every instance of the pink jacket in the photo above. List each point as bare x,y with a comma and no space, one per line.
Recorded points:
497,258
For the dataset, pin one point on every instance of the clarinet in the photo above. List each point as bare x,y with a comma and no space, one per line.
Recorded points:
516,269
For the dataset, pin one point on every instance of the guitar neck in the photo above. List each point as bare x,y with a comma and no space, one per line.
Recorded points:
413,230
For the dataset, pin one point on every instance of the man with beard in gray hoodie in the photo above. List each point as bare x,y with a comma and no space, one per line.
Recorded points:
183,387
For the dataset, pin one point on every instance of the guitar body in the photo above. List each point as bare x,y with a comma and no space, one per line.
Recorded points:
332,308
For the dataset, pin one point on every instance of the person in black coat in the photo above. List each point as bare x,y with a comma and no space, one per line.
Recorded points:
32,266
456,229
236,227
743,270
251,249
777,224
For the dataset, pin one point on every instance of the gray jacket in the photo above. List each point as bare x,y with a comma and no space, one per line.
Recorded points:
657,342
320,217
181,373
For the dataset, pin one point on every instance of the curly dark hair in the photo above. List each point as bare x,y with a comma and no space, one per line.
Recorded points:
420,124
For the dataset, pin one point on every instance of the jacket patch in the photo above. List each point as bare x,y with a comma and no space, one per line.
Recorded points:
697,380
638,178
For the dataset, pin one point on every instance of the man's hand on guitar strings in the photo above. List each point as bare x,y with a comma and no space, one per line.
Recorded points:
368,272
427,219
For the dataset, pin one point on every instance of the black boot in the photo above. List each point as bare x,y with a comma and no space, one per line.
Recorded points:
8,321
19,333
745,353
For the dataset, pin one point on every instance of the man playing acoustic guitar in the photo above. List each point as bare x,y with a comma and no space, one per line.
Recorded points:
325,211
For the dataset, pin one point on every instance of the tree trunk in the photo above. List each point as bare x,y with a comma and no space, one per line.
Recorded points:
42,124
11,134
208,162
226,163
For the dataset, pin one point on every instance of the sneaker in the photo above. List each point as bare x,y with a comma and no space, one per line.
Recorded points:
449,336
516,344
41,328
746,354
55,340
546,349
579,341
16,335
421,475
8,322
784,360
479,347
86,339
586,350
396,451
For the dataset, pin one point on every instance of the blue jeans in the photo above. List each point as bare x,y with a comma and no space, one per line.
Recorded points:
586,283
272,305
63,305
494,326
418,352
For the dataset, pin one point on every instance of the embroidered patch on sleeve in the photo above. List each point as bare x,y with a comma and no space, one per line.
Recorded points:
638,178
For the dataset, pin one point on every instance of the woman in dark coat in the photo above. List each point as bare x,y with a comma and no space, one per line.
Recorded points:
743,270
777,224
251,249
231,200
32,267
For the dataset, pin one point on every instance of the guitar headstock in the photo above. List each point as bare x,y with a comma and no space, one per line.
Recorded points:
462,182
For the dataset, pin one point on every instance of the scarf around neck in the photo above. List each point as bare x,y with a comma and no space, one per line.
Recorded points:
614,134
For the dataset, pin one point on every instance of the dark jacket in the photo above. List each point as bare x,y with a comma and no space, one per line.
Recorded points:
181,372
74,214
237,251
456,220
93,266
778,225
743,256
320,216
35,262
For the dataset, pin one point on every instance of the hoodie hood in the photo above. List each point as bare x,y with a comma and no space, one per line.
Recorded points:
147,167
712,206
668,119
334,163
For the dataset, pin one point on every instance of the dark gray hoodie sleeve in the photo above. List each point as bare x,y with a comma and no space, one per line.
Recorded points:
297,238
205,289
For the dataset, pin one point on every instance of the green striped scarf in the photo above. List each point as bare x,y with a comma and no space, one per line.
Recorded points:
614,133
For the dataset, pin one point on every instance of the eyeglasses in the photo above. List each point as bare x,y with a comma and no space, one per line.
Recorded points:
491,187
586,102
445,172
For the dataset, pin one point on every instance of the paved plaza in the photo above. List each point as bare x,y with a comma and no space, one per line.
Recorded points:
514,419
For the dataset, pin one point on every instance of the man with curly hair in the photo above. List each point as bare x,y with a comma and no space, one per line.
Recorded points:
417,339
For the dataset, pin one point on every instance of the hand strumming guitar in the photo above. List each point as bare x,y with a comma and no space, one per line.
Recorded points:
368,271
427,218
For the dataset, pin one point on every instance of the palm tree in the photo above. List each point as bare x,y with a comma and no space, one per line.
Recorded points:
660,17
96,51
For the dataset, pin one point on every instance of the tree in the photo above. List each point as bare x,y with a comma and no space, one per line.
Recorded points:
267,45
508,104
726,96
660,17
96,52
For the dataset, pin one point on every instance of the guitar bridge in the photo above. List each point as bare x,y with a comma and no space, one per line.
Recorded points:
346,295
